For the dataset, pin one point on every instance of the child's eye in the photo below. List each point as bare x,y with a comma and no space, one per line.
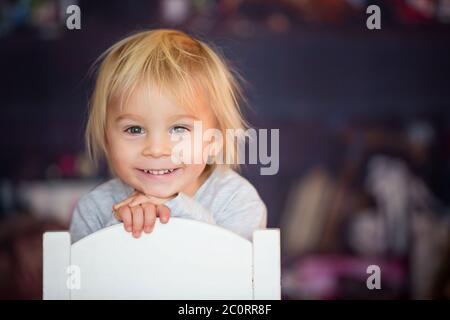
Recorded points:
135,130
179,130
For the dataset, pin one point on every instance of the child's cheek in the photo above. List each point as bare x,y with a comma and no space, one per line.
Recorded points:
122,156
187,151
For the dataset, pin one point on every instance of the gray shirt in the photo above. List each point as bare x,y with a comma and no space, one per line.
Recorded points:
226,199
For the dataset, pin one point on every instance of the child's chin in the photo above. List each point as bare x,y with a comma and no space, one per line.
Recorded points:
159,193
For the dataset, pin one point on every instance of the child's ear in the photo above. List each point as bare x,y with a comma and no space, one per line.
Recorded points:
107,146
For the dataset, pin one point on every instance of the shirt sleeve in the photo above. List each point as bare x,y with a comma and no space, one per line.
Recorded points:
84,220
184,206
240,214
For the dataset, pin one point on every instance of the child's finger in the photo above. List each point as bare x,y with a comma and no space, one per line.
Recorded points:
138,221
139,199
125,215
163,213
149,217
126,201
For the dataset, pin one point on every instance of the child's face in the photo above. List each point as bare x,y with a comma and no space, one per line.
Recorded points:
139,138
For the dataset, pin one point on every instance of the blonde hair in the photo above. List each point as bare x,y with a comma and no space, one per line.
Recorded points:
173,62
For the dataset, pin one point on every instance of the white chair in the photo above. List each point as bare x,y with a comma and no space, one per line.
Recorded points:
183,259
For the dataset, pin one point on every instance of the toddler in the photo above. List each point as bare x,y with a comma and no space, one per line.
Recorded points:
152,90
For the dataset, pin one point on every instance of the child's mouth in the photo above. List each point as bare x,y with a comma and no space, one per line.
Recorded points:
159,172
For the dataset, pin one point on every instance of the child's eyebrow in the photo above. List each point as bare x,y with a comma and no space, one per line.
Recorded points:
125,116
172,118
181,116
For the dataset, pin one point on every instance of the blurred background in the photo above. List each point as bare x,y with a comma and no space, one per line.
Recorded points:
364,120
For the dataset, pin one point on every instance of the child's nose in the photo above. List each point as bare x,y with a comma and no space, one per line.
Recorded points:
156,146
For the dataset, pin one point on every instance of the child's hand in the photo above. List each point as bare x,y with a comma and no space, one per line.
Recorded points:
139,211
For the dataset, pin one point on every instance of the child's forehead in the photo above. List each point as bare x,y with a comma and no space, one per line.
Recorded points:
144,97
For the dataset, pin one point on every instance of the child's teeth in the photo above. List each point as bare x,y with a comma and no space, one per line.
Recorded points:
158,172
